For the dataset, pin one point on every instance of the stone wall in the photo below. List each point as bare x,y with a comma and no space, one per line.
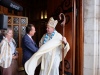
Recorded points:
91,37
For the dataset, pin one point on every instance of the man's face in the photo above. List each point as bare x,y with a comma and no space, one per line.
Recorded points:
49,29
32,32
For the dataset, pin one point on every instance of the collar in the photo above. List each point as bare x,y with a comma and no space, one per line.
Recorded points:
29,36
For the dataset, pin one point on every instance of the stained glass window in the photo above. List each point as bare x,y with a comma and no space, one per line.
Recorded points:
16,20
23,21
9,20
16,34
23,31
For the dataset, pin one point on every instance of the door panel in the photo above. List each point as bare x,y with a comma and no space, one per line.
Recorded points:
16,34
68,7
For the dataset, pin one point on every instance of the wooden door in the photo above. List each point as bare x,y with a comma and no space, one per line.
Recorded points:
18,25
68,7
73,32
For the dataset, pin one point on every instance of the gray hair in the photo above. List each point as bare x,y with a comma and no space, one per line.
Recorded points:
6,31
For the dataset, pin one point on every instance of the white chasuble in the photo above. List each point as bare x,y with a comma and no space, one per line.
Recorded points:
49,55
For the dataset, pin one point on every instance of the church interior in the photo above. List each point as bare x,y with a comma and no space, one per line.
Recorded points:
38,12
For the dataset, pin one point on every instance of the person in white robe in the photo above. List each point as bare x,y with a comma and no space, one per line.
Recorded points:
49,53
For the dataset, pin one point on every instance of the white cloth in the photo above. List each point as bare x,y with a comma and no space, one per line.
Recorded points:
5,53
49,55
13,48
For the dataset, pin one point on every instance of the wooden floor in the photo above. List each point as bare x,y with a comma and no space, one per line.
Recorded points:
22,72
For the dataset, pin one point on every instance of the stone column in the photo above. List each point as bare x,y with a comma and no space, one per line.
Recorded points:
91,38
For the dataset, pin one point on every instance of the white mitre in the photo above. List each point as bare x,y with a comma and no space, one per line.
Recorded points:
52,22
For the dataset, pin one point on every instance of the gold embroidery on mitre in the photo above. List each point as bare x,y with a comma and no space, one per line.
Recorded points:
52,22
